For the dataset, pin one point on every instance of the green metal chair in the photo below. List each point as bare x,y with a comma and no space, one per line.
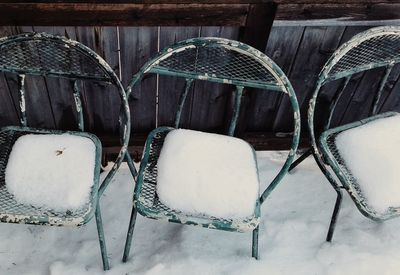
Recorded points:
53,56
215,60
374,48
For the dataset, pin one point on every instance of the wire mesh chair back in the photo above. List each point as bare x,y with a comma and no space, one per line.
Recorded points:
217,60
377,47
47,55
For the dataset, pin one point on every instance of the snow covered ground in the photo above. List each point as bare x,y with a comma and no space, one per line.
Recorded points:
293,228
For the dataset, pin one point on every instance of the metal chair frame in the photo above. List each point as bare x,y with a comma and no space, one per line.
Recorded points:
216,60
375,48
47,55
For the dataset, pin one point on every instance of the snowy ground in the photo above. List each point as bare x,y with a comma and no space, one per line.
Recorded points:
294,224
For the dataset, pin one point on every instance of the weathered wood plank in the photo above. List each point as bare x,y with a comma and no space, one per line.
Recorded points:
107,14
317,45
209,99
137,46
343,11
170,88
282,48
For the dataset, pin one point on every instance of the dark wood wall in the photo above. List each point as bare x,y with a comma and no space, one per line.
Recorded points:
300,51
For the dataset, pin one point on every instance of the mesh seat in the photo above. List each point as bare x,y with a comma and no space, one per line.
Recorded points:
16,212
149,205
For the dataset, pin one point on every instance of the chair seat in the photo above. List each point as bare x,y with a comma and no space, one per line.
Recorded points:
335,160
12,211
148,204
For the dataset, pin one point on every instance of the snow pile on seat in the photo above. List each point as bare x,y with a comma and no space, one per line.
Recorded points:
210,174
53,171
372,153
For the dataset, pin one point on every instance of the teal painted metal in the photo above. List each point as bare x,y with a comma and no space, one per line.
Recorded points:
182,100
22,101
221,61
236,110
78,105
377,47
59,57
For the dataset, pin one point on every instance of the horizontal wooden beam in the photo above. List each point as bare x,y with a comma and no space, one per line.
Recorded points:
122,14
187,12
260,141
341,11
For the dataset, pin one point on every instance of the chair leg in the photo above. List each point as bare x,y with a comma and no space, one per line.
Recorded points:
129,235
100,231
334,215
254,250
300,159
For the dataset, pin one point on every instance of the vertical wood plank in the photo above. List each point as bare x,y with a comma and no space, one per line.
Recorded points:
282,49
209,101
138,45
170,88
317,45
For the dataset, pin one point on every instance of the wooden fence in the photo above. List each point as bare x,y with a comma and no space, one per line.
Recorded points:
301,51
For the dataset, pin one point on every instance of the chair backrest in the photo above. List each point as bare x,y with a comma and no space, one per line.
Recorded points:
227,62
47,55
374,48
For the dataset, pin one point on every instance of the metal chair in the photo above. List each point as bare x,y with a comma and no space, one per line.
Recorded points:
374,48
221,61
46,55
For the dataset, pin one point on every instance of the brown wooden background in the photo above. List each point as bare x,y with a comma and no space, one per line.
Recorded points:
299,50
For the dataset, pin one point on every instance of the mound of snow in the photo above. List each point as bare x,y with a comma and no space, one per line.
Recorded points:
54,171
372,153
208,174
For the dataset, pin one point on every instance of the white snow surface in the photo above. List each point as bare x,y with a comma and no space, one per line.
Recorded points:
54,171
294,223
203,173
372,153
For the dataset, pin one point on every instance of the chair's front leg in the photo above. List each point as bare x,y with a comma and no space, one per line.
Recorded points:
129,234
334,215
100,231
254,249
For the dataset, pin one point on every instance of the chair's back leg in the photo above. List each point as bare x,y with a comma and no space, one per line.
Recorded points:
102,241
128,241
254,248
300,159
374,107
22,104
334,215
236,110
78,105
182,100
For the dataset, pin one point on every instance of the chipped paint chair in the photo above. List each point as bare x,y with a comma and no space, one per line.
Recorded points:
45,55
220,61
377,48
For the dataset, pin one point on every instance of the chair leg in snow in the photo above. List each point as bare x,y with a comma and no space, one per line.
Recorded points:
129,235
106,264
254,251
334,215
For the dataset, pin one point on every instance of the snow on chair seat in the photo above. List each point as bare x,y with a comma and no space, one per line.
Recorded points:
365,155
42,168
208,174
